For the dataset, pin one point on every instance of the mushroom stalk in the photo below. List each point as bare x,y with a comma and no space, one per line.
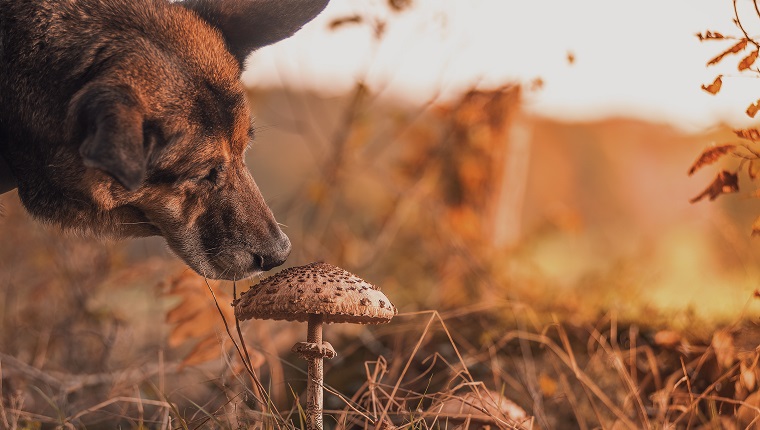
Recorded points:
315,376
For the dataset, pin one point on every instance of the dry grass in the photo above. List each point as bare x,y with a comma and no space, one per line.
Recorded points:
86,344
602,375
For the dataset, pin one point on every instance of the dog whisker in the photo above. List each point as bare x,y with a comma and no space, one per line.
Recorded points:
209,255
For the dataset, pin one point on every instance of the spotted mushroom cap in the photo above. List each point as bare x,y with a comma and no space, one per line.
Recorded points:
316,288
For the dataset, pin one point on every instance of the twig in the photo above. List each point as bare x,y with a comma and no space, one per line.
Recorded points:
741,27
247,360
247,364
101,405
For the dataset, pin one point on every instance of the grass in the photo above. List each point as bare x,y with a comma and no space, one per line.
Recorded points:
609,375
584,328
89,349
89,352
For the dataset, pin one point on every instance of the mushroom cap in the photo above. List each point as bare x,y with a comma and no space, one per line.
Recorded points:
316,288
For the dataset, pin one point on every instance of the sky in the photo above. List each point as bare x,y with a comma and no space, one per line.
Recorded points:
633,58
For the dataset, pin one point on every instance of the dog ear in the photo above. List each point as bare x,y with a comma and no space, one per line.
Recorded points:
109,121
251,24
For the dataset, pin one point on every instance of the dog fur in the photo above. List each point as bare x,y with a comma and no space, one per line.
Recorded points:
127,118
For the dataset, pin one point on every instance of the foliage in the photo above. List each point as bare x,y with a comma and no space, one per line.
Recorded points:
746,149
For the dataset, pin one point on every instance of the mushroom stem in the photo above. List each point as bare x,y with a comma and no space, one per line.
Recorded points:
315,377
314,333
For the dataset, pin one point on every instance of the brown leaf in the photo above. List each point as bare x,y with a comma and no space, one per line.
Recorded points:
207,349
732,50
756,227
200,326
667,339
723,346
726,182
196,316
570,58
547,384
709,35
711,155
748,378
536,84
748,414
752,134
343,21
748,61
715,86
399,5
753,169
379,29
753,108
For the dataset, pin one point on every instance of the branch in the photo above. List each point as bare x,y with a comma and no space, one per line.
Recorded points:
741,27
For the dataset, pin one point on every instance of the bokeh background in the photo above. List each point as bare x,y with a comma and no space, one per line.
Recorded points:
499,168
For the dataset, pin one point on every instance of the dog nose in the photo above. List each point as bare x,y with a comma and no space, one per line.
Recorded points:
276,256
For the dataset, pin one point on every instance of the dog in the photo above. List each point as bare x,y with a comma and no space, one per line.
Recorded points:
127,118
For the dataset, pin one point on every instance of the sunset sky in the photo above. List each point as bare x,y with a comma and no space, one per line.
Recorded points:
637,58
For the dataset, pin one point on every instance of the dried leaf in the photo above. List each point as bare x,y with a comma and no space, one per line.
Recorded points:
547,384
752,134
748,61
399,5
570,58
207,349
197,317
732,50
753,169
748,414
667,339
715,86
726,182
536,84
186,310
723,346
257,360
711,155
756,227
748,377
343,21
379,29
709,35
753,108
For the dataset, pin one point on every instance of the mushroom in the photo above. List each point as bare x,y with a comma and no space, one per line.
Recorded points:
317,293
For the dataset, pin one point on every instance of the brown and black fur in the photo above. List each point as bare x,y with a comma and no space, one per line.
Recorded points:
127,118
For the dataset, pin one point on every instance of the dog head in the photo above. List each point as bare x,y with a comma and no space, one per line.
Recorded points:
164,128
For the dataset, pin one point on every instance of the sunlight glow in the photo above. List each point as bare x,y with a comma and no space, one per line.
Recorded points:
637,59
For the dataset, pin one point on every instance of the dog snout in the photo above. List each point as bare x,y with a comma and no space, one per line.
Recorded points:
276,256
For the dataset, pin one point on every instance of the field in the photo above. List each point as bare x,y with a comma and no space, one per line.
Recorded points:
556,267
